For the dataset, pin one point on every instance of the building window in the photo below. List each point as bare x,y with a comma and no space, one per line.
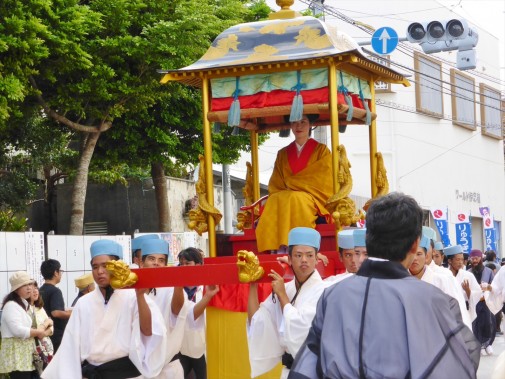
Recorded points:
490,112
463,100
428,85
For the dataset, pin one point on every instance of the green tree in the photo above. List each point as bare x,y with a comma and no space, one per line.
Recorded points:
9,222
34,160
167,136
91,64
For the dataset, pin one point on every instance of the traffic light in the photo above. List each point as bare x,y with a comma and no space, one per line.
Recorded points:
445,35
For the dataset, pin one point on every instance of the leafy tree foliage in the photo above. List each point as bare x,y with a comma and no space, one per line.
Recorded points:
9,222
91,64
170,129
36,153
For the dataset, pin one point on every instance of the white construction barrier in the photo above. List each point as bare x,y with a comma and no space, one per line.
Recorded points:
20,251
25,251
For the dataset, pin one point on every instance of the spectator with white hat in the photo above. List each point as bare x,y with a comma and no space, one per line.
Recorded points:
16,350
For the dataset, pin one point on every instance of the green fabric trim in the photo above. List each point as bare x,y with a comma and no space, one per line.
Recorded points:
253,84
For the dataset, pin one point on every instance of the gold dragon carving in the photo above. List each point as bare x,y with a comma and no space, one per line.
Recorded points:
249,269
381,180
198,216
340,205
120,274
244,217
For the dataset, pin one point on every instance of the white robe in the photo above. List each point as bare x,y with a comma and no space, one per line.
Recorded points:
175,332
496,297
274,331
334,279
100,333
475,291
440,269
194,342
446,282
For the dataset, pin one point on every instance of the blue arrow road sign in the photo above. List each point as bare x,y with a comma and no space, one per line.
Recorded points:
384,40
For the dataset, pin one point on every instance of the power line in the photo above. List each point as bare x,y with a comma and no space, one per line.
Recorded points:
369,30
406,108
436,81
439,87
437,156
388,15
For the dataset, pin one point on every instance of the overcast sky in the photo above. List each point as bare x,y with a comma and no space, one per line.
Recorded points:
488,15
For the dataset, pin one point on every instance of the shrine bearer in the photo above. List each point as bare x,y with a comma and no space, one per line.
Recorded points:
348,256
169,301
278,327
467,282
112,334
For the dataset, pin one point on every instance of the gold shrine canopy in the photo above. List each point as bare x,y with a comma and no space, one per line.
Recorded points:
262,66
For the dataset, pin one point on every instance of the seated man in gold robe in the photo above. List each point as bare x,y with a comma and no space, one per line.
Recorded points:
300,184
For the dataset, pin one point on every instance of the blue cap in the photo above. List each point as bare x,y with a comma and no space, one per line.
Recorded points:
425,242
429,233
154,246
345,239
439,245
137,242
304,236
106,247
453,250
359,237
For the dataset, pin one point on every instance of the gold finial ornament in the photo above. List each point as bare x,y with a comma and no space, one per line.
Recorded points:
284,4
249,269
120,274
285,11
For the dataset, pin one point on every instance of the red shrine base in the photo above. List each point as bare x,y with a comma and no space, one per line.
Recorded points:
229,244
233,297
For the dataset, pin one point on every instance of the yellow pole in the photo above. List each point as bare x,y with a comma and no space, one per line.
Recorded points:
209,179
372,137
255,168
332,84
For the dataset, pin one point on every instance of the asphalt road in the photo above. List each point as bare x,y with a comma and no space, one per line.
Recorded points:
487,362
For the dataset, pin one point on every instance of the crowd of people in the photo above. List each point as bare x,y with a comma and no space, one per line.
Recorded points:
442,319
473,292
107,333
405,307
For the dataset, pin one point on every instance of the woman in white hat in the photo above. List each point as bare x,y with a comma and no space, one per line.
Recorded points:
16,351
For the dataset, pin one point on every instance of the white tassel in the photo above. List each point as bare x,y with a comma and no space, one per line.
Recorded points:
368,119
234,113
350,111
296,109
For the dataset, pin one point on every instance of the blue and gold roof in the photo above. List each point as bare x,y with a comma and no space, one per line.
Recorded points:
267,41
282,41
